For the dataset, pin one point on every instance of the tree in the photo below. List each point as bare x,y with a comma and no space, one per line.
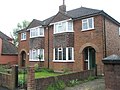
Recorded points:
20,26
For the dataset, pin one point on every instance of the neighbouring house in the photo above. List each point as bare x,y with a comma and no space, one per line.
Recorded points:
8,52
72,40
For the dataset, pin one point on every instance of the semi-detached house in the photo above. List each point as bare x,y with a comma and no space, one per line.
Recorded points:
72,40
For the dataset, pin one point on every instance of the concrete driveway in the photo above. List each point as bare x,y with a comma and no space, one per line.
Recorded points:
97,84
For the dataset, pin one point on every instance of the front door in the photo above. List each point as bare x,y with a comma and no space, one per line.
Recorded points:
23,58
89,58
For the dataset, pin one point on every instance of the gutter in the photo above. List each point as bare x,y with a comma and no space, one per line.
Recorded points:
48,47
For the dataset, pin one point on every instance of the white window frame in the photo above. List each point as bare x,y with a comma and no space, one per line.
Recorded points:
62,55
66,22
23,36
119,31
87,22
37,51
36,31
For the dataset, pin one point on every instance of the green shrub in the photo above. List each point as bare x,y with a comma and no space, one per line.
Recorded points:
59,85
73,83
90,78
37,69
22,71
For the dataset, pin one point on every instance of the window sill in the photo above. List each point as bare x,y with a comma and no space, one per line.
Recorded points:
36,36
87,29
63,61
32,60
23,39
63,32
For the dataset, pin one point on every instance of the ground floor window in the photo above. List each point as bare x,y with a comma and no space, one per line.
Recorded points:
64,54
36,55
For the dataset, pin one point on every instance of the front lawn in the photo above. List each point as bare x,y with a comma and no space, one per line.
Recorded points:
38,74
45,74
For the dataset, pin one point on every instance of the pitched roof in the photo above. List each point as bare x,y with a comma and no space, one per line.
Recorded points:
8,48
3,36
35,23
81,12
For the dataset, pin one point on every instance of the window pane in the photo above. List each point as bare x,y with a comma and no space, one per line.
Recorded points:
84,24
56,28
119,30
56,54
34,54
70,26
59,27
64,53
33,32
69,53
60,55
90,21
41,30
64,26
24,35
41,53
36,32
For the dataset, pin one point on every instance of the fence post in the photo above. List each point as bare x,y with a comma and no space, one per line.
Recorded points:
112,72
31,78
14,78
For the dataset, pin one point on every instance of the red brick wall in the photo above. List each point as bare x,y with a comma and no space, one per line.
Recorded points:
112,38
23,46
43,83
9,59
84,39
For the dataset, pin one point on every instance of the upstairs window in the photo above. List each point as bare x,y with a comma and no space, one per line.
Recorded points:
87,24
63,26
36,55
64,54
119,31
23,36
37,32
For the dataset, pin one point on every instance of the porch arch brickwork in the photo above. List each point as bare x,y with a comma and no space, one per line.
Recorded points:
87,45
97,56
26,59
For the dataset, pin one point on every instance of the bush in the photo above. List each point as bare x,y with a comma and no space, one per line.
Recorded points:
22,71
73,83
59,85
37,69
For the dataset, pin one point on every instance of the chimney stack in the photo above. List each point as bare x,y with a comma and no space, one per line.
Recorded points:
62,8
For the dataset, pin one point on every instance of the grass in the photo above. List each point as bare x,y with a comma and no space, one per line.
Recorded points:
40,75
45,74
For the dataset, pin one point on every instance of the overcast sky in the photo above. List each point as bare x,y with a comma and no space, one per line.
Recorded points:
15,11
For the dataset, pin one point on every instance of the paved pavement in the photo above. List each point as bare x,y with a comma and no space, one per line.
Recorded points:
97,84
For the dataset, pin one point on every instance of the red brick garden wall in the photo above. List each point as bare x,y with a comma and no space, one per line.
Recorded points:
42,83
5,80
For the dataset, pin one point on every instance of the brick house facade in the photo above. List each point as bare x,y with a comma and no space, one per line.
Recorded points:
75,40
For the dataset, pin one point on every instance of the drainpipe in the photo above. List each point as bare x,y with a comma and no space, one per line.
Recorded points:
48,46
104,37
